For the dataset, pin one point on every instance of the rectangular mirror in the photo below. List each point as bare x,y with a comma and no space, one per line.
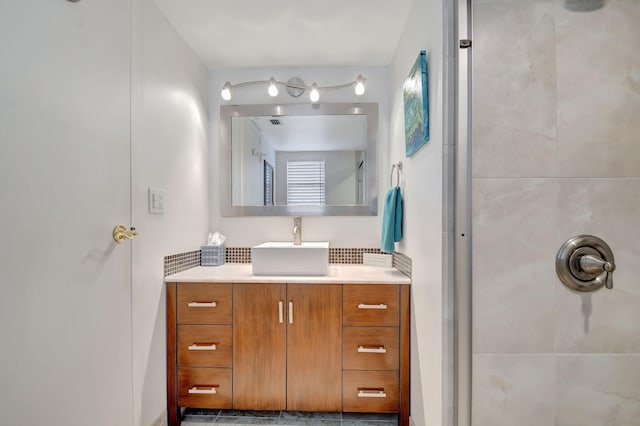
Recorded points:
299,159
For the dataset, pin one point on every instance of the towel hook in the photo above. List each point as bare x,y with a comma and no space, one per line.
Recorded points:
398,167
257,151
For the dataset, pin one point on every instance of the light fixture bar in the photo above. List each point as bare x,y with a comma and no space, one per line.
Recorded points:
272,84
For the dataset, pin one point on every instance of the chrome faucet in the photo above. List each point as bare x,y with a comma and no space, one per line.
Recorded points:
297,231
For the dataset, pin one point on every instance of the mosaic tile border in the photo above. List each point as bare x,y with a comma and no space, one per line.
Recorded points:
337,255
238,255
350,255
175,263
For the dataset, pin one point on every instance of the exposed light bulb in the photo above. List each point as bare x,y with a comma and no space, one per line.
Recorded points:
314,95
360,85
273,89
226,91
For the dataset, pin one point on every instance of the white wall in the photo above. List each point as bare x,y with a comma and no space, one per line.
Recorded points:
248,190
422,185
340,231
169,151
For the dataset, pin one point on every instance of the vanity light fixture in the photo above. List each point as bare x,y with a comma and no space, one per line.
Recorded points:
295,87
226,91
314,95
273,89
359,85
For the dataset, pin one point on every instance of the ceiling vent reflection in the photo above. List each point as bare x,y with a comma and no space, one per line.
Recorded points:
583,5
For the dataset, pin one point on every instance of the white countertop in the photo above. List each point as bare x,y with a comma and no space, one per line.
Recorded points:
338,273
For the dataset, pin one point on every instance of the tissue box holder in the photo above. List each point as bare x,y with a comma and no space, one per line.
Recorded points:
212,255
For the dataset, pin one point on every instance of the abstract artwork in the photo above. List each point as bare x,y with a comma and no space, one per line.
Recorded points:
416,106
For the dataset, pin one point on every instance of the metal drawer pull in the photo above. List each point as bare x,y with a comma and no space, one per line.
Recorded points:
372,349
203,347
280,312
209,390
290,312
202,304
365,306
371,393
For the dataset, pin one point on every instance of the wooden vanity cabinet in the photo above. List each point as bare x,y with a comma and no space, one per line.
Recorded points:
297,347
287,347
314,347
371,337
199,347
259,342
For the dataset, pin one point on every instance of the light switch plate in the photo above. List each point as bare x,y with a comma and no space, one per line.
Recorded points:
156,201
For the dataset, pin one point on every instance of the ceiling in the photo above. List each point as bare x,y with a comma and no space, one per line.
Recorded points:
257,33
312,132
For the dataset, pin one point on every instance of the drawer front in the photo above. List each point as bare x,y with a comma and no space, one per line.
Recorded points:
205,346
204,387
371,304
204,303
370,391
370,348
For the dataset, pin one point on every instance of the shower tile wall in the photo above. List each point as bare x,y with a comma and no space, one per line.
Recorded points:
556,153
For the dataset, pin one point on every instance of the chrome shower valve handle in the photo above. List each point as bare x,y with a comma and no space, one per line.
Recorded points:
593,264
585,263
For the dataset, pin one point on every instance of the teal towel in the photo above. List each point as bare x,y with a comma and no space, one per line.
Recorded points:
391,220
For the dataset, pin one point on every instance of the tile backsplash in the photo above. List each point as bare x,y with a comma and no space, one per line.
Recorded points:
352,255
402,263
175,263
238,255
349,255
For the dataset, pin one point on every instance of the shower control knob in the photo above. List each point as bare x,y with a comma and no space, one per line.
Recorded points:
595,265
585,263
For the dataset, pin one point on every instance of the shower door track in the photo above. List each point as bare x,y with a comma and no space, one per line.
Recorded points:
463,232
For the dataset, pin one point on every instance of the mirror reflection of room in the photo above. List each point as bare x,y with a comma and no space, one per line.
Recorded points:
292,159
299,160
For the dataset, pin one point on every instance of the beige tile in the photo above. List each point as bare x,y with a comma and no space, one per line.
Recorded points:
607,320
598,390
599,90
478,2
501,151
513,276
510,390
514,94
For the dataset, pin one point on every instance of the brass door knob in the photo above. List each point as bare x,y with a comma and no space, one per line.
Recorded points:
121,234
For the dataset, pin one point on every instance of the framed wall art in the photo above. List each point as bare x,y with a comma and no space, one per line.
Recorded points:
416,106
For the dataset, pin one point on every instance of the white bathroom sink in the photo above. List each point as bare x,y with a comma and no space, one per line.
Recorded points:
285,258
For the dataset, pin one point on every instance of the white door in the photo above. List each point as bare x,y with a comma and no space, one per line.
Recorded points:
65,303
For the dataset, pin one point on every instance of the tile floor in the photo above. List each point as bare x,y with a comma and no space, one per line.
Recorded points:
200,417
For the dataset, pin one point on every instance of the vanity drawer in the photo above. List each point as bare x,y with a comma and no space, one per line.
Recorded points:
370,348
205,346
204,303
370,391
204,387
370,304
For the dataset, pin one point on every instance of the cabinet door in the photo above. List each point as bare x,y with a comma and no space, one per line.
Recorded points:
259,347
314,347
